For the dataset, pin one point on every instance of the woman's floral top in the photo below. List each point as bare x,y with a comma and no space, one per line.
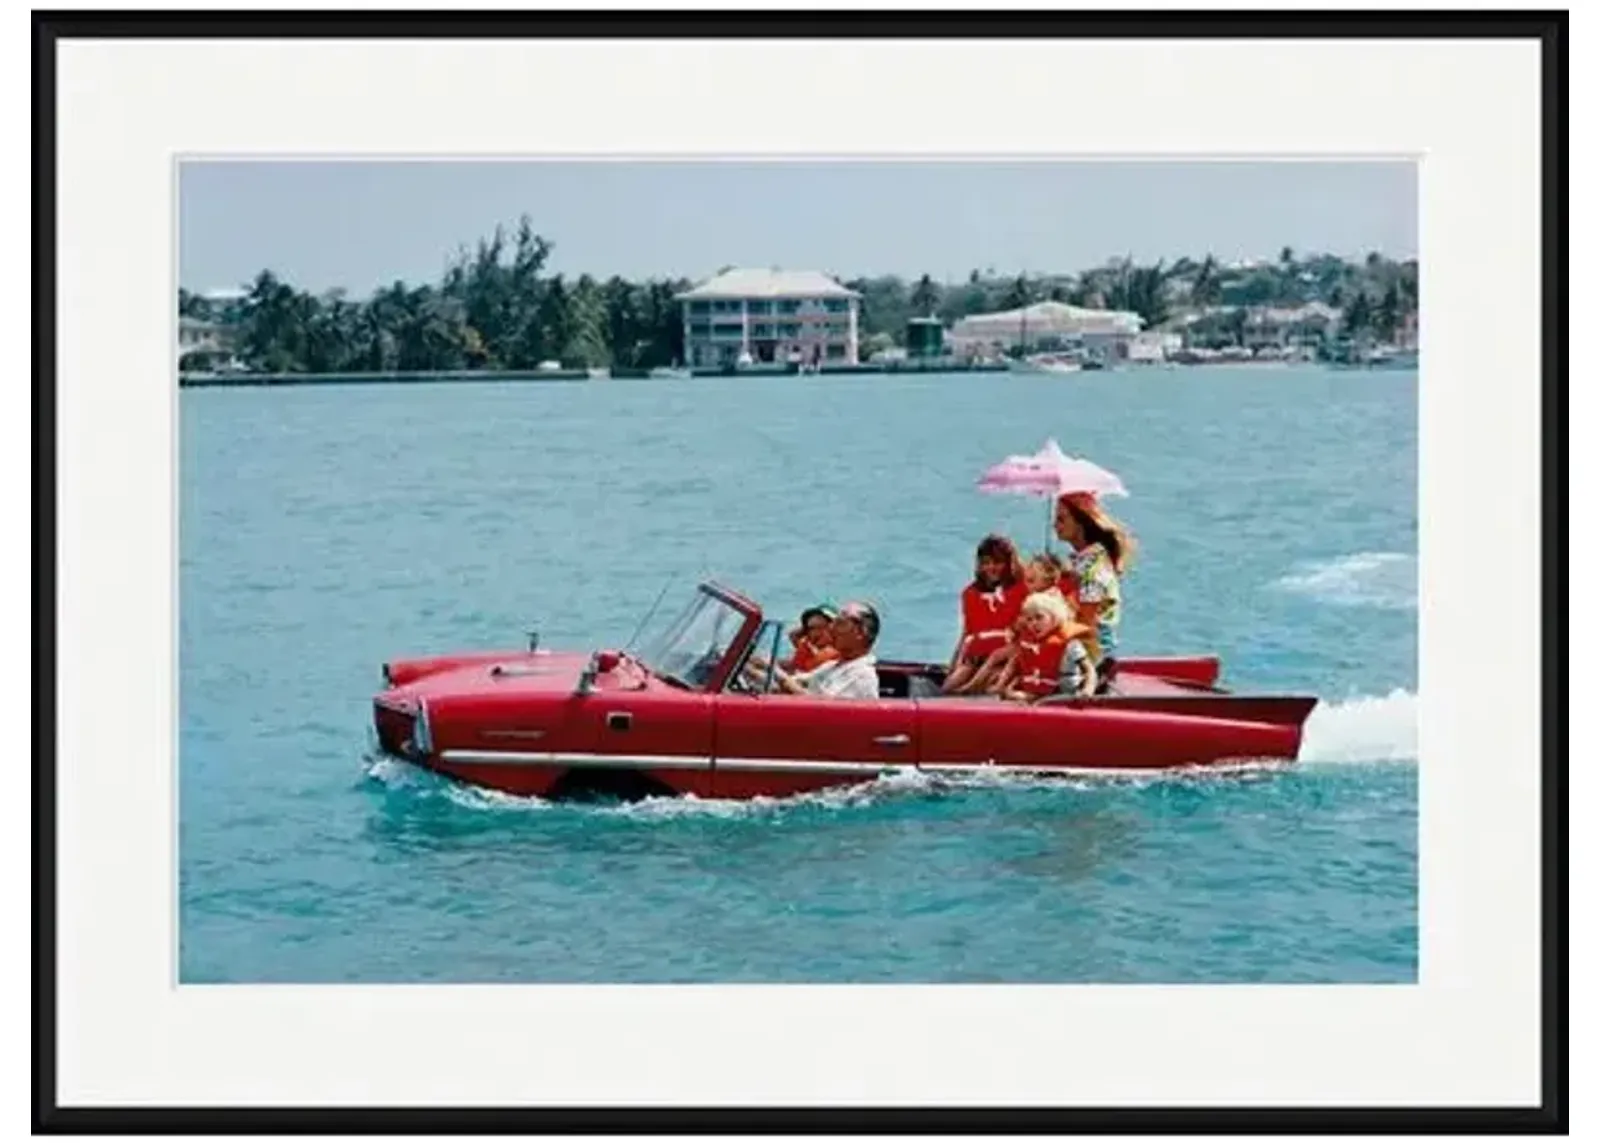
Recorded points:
1096,581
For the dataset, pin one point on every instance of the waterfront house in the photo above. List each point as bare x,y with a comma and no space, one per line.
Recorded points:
1257,328
199,341
1045,326
756,316
1290,327
1153,346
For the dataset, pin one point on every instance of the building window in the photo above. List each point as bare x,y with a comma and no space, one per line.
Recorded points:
700,329
764,329
699,309
837,305
789,329
789,306
759,307
727,329
835,351
726,307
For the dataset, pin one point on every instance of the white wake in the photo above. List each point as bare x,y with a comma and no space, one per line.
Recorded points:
1361,579
1363,729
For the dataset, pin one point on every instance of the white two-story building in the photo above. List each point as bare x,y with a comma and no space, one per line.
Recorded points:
756,316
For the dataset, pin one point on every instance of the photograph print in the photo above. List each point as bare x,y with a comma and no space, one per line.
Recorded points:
797,571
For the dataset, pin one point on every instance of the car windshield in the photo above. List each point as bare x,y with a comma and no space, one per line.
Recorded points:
689,649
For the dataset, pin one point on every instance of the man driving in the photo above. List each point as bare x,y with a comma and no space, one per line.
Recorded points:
854,674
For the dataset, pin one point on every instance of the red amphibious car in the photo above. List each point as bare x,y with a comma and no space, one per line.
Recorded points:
681,715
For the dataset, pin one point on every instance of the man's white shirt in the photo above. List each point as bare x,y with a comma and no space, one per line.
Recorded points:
857,678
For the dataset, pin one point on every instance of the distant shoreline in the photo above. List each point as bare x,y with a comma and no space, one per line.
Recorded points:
196,380
491,376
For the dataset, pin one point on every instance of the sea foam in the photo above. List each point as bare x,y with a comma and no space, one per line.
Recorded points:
1360,579
1367,728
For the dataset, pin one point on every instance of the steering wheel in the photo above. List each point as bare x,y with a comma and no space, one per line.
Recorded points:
740,683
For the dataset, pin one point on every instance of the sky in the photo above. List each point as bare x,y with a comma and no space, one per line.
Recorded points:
359,225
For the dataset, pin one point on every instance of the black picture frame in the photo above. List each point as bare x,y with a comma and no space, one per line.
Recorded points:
1549,1116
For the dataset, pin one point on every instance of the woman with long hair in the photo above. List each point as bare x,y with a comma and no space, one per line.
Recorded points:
1102,548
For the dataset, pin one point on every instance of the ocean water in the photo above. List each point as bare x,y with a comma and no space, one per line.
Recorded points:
324,530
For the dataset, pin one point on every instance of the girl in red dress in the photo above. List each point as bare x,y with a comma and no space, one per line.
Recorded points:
1042,572
989,606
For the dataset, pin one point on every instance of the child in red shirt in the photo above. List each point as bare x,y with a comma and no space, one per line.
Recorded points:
813,641
989,606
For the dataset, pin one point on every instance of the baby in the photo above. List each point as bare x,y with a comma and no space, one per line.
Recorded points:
1043,573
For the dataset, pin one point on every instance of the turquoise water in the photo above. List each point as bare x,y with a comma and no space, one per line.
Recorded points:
324,530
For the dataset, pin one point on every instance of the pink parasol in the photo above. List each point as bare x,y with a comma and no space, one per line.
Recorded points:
1050,473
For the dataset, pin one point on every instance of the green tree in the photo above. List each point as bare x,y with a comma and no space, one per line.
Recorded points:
1238,320
1389,312
886,305
1357,321
493,307
1021,293
586,346
272,334
663,317
549,329
1207,289
625,330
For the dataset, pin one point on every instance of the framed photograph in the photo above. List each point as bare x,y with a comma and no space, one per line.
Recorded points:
694,573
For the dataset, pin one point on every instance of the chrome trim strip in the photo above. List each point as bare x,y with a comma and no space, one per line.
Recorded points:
584,761
1048,770
665,762
806,766
514,733
797,765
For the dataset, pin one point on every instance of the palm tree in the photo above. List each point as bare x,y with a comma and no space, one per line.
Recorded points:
925,297
273,334
1206,287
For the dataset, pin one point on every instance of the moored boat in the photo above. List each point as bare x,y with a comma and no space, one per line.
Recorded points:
1046,363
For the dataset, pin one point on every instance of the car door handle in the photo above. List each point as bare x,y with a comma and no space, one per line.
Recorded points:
892,739
618,720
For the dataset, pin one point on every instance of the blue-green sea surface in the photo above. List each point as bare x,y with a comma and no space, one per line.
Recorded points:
324,530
